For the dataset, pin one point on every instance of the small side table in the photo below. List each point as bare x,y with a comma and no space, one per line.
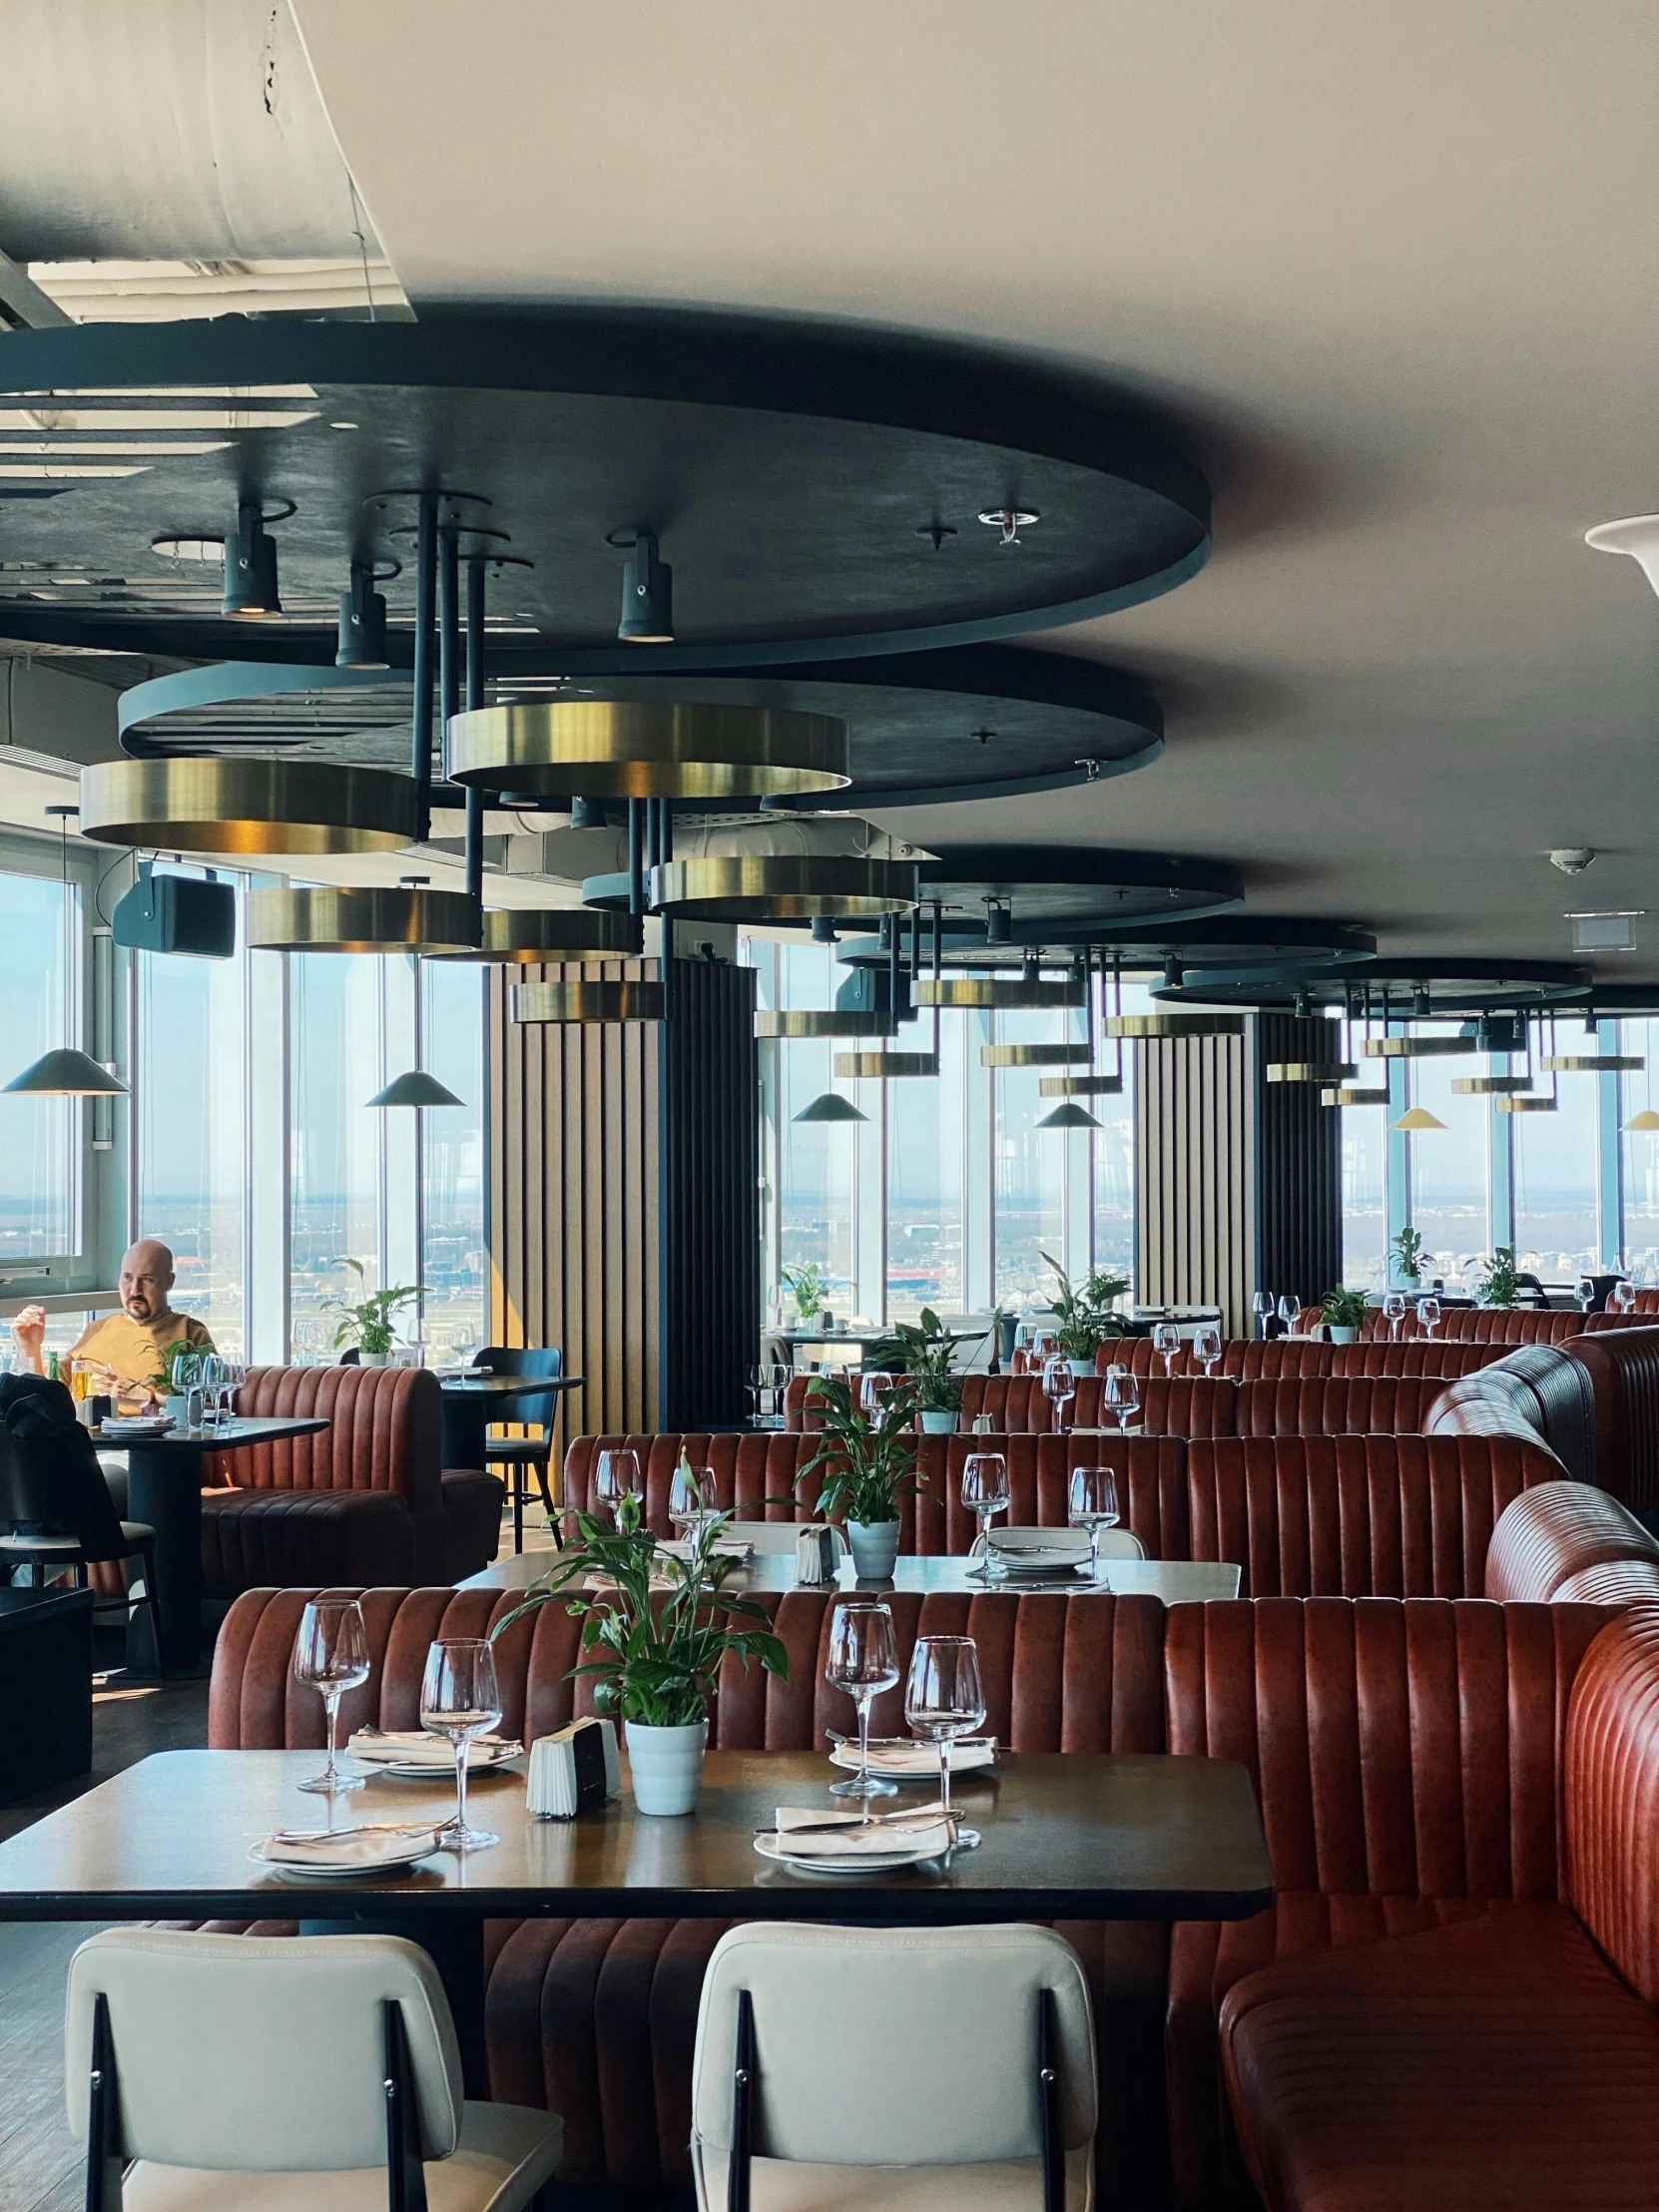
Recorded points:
45,1689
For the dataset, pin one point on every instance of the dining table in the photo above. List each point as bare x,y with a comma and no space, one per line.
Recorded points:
472,1401
1065,1835
1176,1581
164,1490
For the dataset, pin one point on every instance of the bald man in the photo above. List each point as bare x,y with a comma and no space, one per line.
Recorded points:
124,1352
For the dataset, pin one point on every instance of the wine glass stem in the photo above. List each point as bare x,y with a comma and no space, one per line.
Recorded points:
461,1750
331,1705
863,1748
944,1774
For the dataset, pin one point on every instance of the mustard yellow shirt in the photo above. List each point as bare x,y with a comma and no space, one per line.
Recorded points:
137,1349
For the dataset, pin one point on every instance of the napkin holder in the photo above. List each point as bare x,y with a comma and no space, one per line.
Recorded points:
817,1549
573,1769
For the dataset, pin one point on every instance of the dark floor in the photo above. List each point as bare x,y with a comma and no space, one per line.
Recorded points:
40,2169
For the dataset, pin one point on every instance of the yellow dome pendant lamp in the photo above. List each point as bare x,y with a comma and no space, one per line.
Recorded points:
1415,1119
65,1071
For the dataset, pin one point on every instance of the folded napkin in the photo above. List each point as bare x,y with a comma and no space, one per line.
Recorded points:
368,1846
419,1747
602,1583
850,1836
966,1753
725,1547
1048,1548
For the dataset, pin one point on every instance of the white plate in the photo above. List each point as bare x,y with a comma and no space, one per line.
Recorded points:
135,1425
925,1768
886,1863
392,1863
411,1770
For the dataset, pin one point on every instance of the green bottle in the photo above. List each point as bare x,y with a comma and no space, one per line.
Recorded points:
53,1372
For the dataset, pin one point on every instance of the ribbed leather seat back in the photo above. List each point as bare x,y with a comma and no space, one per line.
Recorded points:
384,1432
1613,1798
1398,1749
1556,1532
1624,1370
1061,1674
1335,1406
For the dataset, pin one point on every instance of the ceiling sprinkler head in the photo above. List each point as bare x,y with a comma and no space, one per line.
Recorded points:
1010,521
1572,860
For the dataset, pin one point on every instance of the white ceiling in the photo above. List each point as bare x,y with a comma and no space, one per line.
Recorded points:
1393,271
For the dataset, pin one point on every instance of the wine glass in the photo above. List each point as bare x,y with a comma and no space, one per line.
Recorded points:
1207,1346
1092,1503
1585,1294
944,1699
873,1390
863,1660
1288,1310
1123,1394
1393,1312
1261,1305
759,1378
1166,1342
461,1699
1428,1315
330,1652
616,1475
692,1498
1059,1387
1621,1298
985,1494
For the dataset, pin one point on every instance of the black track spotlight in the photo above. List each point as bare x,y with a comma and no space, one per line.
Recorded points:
250,568
999,922
1304,1006
647,595
823,930
1174,973
362,622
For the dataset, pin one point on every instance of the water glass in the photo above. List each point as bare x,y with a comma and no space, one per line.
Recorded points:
1261,1305
1207,1346
1289,1308
1059,1387
1429,1315
616,1475
692,1498
461,1699
1393,1312
331,1653
863,1661
756,1386
1092,1503
1123,1394
944,1699
1166,1342
985,1494
1585,1294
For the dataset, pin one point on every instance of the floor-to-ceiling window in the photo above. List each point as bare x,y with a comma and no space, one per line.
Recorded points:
926,1137
335,1202
1032,1164
817,1165
1556,1227
452,1171
1449,1168
1365,1144
190,1104
1638,1093
40,921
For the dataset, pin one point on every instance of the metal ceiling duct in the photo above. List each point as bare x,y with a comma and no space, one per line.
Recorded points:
247,807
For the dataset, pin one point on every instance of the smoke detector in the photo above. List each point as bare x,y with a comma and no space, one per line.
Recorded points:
1572,860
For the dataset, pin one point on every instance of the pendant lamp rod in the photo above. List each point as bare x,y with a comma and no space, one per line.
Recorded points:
636,855
938,964
890,924
426,564
474,700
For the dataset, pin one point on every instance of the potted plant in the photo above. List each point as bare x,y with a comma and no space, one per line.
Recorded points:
654,1655
1500,1284
869,1464
926,1353
1343,1315
806,1287
1084,1314
1408,1257
368,1324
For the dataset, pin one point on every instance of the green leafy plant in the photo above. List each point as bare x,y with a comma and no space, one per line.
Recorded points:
926,1353
870,1464
806,1287
1344,1308
1500,1284
1407,1252
655,1655
171,1378
1085,1311
368,1324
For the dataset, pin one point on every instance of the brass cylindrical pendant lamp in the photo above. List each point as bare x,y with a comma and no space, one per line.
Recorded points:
1421,1048
1525,1106
784,886
832,1022
1033,1055
1080,1086
1490,1086
1590,1063
1348,1094
399,917
597,1000
1005,993
206,804
1311,1071
636,748
1174,1025
526,935
885,1064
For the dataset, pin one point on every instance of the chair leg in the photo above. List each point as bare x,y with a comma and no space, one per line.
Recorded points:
515,1480
147,1567
539,1469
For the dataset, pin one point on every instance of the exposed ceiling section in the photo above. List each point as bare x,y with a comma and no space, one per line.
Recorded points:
342,285
1391,275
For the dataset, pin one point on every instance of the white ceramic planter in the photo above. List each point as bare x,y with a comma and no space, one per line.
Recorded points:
372,1358
666,1765
1342,1335
1082,1369
874,1547
938,1424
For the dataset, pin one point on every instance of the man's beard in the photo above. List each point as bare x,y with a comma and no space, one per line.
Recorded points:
140,1309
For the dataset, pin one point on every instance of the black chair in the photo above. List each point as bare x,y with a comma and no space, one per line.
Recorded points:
520,1456
55,1511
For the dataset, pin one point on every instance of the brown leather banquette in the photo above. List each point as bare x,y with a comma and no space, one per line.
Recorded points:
1251,1358
363,1500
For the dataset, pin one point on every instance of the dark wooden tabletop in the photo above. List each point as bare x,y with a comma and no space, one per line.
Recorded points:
506,1385
243,1429
1067,1836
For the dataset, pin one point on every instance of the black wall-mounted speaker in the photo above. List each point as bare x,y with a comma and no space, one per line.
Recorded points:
177,914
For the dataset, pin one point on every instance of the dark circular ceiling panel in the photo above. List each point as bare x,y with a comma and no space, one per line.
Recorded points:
978,721
1425,991
818,491
1045,888
1232,941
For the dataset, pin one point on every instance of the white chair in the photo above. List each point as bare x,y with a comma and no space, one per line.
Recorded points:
978,1349
893,2069
246,2073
